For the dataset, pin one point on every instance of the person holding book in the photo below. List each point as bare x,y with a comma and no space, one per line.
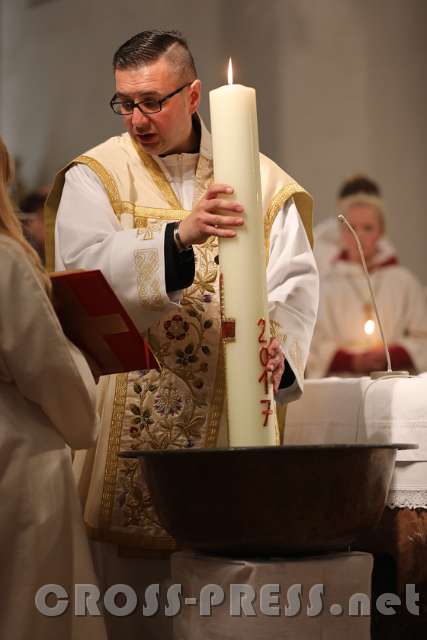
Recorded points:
47,404
141,207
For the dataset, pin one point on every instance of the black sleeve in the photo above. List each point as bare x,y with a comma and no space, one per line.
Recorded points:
179,267
288,377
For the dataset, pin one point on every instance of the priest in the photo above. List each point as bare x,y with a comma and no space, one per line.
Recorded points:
142,207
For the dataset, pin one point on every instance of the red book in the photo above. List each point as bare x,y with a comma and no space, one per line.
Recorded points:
95,320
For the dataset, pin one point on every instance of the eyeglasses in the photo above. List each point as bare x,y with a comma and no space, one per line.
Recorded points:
147,106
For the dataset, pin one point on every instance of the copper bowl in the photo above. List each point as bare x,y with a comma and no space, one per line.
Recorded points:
269,500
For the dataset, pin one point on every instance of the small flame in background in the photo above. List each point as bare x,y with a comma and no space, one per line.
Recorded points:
369,327
230,71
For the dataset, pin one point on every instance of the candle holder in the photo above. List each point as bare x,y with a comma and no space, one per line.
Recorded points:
376,375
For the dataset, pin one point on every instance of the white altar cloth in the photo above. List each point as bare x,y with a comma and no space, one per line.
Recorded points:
361,410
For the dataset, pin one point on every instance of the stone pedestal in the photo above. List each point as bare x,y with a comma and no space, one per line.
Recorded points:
267,599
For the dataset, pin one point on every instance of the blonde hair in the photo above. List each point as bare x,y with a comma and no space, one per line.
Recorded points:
9,223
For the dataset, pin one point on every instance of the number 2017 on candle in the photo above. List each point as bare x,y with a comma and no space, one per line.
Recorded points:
263,356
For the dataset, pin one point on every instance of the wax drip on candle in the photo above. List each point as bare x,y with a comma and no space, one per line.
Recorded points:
230,71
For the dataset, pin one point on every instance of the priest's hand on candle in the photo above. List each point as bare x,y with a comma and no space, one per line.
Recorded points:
213,215
276,363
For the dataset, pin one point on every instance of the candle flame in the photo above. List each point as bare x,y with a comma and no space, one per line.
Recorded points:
230,71
369,327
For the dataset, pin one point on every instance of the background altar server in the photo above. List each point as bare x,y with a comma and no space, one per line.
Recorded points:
347,338
142,208
47,402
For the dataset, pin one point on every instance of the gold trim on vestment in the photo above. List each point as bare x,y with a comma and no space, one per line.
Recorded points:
176,212
107,180
119,206
147,265
150,547
112,460
143,213
50,211
224,353
215,410
276,332
158,177
54,197
304,204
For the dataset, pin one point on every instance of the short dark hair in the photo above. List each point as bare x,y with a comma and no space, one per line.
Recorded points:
33,202
148,46
359,183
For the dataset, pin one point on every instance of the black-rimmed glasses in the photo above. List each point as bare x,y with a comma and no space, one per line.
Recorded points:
147,106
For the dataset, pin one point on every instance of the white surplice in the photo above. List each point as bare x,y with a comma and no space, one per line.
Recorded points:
47,397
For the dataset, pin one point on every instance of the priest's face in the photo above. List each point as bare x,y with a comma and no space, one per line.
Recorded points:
169,130
367,223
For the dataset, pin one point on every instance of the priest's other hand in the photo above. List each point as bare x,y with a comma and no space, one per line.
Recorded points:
276,363
213,215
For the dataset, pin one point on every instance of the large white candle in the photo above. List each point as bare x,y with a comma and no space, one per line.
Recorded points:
250,403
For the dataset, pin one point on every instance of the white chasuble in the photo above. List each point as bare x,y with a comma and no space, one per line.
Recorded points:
180,405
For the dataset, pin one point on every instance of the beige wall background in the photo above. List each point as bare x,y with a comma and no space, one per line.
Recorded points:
341,87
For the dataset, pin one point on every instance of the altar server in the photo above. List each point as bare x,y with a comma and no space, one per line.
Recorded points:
47,402
347,339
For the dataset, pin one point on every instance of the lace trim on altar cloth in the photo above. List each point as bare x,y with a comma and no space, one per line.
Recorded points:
407,499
